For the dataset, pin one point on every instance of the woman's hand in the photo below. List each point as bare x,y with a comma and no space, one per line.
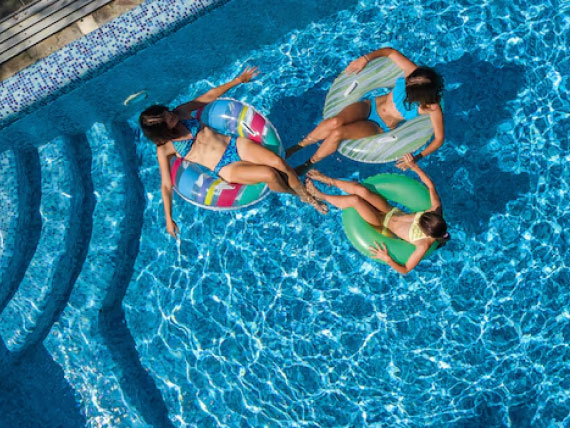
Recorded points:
407,161
379,251
172,228
248,74
357,65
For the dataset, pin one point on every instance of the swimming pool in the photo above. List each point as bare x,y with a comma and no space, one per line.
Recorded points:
268,317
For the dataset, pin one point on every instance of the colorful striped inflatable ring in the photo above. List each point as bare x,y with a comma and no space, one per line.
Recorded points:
387,147
201,186
397,188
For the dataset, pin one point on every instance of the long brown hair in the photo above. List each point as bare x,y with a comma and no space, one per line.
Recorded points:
154,126
424,86
433,224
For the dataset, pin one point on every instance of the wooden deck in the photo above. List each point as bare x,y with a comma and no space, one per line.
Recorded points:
38,21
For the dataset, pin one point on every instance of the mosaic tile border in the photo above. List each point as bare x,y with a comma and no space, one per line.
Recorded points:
61,71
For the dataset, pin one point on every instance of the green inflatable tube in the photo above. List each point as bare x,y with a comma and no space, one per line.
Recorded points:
397,188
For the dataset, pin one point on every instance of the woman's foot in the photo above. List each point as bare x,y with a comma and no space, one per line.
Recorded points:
312,189
319,176
311,199
321,207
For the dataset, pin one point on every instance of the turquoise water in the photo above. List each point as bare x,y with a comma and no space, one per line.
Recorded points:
268,317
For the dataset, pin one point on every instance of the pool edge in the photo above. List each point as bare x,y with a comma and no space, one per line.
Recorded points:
88,56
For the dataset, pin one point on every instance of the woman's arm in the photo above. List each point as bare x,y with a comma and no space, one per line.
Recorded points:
166,191
436,117
184,110
400,60
433,195
380,251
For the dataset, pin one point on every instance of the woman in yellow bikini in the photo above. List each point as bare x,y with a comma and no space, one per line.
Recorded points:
421,229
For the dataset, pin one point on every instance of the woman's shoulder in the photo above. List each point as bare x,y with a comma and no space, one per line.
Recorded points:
431,108
165,149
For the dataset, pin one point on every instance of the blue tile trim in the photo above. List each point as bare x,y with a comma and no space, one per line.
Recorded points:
61,71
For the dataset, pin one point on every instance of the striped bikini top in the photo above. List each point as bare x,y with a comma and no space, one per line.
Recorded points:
183,147
399,95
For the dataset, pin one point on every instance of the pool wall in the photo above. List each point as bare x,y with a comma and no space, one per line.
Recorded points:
83,58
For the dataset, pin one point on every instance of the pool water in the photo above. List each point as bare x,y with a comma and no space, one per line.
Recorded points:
268,316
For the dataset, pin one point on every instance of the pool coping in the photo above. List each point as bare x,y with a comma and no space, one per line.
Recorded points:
28,24
94,53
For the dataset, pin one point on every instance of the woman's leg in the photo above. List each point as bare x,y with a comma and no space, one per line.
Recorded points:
249,173
353,113
353,130
368,212
353,188
270,169
255,153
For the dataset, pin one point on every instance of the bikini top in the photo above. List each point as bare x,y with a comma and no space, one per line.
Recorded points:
415,233
183,147
399,95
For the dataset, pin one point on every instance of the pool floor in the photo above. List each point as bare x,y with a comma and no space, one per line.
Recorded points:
267,316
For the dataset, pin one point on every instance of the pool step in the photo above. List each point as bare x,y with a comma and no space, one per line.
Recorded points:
8,209
136,383
20,223
66,208
75,342
88,195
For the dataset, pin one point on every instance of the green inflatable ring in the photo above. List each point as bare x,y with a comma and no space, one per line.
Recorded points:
394,187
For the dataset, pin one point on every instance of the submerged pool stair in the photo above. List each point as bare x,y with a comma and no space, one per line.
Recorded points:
81,211
50,275
79,319
19,173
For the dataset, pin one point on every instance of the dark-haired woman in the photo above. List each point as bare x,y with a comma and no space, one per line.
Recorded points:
418,93
421,229
234,159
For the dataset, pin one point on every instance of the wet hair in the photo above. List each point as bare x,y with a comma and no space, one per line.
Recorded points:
424,86
433,224
154,126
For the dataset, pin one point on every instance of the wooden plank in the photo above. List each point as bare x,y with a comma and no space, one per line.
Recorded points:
24,13
55,27
36,23
42,11
19,9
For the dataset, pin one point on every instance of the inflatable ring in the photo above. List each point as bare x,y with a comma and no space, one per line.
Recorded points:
394,187
350,88
198,184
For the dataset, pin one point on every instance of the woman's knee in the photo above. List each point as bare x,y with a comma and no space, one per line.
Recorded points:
270,175
354,200
335,136
276,162
361,191
334,123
